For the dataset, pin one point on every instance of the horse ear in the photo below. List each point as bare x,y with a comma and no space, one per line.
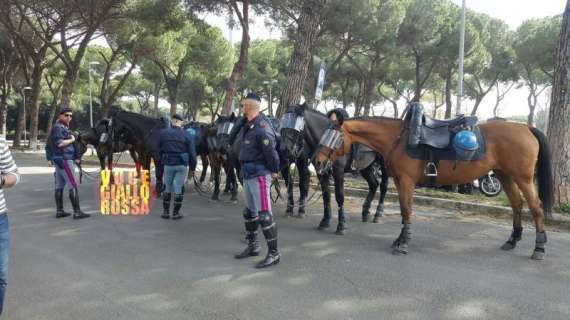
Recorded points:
232,116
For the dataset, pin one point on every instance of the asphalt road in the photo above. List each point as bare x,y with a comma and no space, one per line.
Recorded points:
110,267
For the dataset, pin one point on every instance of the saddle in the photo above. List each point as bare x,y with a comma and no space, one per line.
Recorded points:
361,156
425,130
430,139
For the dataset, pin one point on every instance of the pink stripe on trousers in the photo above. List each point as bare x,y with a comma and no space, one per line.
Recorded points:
263,193
69,174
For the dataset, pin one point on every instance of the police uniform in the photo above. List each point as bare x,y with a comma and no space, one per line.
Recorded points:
63,160
258,158
177,152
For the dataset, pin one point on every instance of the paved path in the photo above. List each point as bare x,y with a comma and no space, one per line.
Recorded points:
147,268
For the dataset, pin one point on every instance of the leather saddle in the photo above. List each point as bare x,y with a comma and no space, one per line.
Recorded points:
425,130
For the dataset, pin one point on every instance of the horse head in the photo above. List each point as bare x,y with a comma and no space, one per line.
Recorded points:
330,149
225,132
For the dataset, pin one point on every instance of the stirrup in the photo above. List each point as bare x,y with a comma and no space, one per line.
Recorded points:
430,170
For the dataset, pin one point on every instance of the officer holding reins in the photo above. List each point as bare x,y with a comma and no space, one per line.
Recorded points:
62,152
260,164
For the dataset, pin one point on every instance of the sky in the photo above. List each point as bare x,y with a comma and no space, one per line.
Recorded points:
513,12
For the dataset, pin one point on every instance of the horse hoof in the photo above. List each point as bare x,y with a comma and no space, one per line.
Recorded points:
376,219
289,210
400,251
365,218
299,216
215,198
508,246
340,232
323,226
301,210
538,255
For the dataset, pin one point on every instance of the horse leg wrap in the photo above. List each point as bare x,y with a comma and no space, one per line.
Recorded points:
400,245
515,237
269,228
539,249
379,213
341,227
365,211
301,206
326,221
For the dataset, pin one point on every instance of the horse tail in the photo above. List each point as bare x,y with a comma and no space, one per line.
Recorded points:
544,172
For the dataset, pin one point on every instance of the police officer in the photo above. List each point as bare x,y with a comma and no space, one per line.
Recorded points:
177,153
337,116
62,152
260,163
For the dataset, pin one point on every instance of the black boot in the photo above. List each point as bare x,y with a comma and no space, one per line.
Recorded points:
251,224
270,233
74,197
60,213
177,205
166,205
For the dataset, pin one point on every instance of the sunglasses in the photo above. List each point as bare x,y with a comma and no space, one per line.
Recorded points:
68,115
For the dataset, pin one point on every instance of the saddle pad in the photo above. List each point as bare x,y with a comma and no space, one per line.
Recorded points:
422,152
363,159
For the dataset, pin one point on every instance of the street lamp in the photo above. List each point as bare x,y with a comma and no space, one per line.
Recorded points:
24,112
461,56
270,84
91,63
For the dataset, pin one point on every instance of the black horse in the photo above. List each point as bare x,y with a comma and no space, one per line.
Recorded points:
303,128
143,134
199,131
99,137
229,139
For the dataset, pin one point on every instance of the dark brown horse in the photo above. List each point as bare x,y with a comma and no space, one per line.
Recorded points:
513,151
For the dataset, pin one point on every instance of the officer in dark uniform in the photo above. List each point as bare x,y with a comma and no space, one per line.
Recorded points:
62,152
177,152
260,164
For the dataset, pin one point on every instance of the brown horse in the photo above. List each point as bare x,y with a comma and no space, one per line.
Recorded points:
513,152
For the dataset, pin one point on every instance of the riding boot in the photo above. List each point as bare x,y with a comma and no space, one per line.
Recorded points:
326,221
166,205
251,225
379,213
270,233
74,197
60,213
177,205
365,212
341,226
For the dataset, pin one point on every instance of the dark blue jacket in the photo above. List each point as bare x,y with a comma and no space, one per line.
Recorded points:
177,148
258,155
60,132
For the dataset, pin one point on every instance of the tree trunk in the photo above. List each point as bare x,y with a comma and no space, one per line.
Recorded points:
156,97
51,116
418,86
241,64
476,106
33,104
3,109
531,106
306,36
559,119
19,126
66,90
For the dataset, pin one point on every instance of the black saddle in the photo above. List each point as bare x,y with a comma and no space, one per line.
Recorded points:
425,130
430,139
